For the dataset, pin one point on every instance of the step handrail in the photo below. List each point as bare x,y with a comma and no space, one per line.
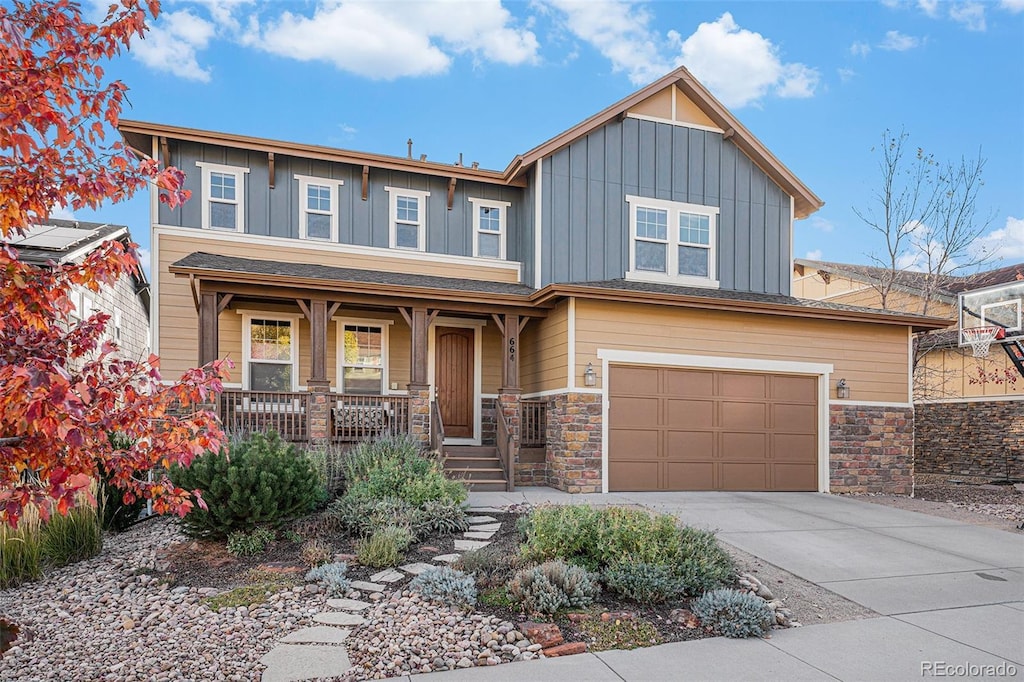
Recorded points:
436,430
506,451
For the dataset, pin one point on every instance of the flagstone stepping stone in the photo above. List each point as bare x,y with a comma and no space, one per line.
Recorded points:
465,545
416,568
447,558
364,586
484,510
339,618
348,604
321,634
479,535
291,662
473,520
492,527
389,575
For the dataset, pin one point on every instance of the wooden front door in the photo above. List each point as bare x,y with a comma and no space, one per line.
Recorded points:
454,380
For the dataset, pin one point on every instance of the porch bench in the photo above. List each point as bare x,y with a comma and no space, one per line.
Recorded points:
357,422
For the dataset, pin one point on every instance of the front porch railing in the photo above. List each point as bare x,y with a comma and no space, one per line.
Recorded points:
533,421
260,411
356,418
436,430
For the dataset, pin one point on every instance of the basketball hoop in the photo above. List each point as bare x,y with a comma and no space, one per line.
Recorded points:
980,338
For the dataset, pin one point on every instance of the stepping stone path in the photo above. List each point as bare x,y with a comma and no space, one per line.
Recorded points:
302,654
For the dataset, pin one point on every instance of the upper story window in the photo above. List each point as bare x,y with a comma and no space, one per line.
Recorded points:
223,196
408,218
672,242
318,208
270,354
490,220
363,364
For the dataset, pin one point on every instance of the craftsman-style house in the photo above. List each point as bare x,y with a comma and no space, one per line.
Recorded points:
612,311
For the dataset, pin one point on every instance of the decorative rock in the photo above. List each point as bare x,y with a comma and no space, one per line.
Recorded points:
367,587
577,617
338,618
448,558
321,634
479,535
348,604
544,634
388,575
466,545
567,649
764,593
617,616
684,617
464,662
417,568
282,568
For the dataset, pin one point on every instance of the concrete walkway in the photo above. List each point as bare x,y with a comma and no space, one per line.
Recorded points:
949,594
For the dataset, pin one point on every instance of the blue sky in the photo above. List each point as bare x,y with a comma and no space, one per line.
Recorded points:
818,82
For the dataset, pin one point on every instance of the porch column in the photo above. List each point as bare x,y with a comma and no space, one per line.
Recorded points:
319,385
508,395
419,385
209,327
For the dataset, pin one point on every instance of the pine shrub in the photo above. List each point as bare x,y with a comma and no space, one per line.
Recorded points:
733,613
446,585
332,576
258,480
643,583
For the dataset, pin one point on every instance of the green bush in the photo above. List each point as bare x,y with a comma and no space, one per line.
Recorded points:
363,516
733,613
444,517
625,534
21,553
491,566
317,552
328,463
241,543
643,583
118,515
702,564
72,537
372,454
384,548
256,481
445,585
394,467
561,532
553,586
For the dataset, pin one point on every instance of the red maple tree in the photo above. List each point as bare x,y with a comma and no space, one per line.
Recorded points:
64,389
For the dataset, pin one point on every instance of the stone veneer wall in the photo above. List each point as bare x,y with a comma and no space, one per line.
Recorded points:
872,449
983,439
488,427
574,442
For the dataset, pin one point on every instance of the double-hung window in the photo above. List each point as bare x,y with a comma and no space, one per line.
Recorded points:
364,350
672,242
490,219
408,218
318,208
270,353
223,197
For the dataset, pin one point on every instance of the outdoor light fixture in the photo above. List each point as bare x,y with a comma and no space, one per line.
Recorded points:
589,375
842,390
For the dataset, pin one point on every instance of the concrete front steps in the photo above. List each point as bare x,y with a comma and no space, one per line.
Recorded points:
477,465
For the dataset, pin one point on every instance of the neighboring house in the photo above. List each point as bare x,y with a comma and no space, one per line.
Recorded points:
617,299
970,410
128,302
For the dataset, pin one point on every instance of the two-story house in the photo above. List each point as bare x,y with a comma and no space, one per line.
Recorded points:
617,298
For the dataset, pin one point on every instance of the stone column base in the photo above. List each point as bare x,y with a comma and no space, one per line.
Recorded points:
573,455
872,449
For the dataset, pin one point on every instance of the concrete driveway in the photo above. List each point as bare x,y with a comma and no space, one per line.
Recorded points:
948,594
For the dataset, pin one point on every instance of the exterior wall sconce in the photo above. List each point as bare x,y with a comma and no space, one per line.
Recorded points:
589,375
842,390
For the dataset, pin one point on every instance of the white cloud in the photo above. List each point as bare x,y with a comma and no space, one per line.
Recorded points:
846,75
970,14
1014,6
929,7
813,255
741,66
390,40
62,213
822,224
860,49
899,42
1005,243
171,45
347,129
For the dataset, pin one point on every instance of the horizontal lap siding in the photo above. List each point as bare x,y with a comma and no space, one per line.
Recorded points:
545,352
951,373
872,358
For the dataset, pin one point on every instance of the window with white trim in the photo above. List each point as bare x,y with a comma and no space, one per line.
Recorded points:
672,241
270,348
490,220
408,218
363,356
223,197
117,331
318,208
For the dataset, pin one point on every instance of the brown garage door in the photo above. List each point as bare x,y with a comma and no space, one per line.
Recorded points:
689,429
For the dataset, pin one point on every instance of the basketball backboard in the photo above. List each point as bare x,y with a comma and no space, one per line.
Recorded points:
1000,306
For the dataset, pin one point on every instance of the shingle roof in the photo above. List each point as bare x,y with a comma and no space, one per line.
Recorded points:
103,231
210,261
948,285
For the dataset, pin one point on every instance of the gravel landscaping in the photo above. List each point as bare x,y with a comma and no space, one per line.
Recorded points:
980,504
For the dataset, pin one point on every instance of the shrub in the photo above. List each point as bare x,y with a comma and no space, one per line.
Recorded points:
491,566
702,564
552,586
243,596
445,585
252,543
327,461
317,552
21,553
332,576
733,613
393,467
643,583
444,517
363,516
369,455
257,480
625,534
384,548
566,532
72,537
117,514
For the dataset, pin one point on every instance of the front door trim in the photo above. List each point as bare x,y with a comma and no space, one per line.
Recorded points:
477,326
627,357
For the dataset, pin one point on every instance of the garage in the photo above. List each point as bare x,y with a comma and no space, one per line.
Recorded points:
672,428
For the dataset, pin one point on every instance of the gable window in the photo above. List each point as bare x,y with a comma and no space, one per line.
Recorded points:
318,208
223,196
408,218
270,354
363,351
490,219
672,242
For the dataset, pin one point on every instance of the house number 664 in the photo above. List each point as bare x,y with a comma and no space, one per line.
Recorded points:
512,349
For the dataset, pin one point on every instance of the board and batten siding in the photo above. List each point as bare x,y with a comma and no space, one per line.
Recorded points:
275,211
873,358
585,216
544,355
